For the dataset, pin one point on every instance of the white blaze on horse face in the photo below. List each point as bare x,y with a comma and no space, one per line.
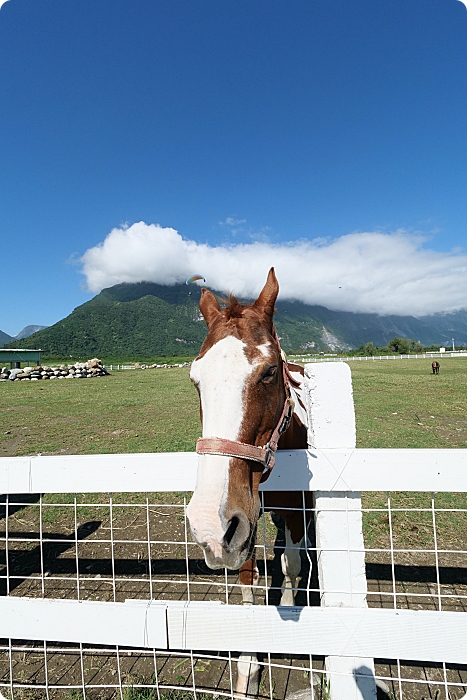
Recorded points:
264,348
220,375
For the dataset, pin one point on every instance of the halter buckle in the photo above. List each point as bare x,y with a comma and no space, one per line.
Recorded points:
288,416
270,455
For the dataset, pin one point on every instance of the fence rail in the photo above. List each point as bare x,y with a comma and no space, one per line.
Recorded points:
427,635
334,470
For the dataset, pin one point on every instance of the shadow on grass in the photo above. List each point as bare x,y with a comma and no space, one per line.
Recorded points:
41,559
16,502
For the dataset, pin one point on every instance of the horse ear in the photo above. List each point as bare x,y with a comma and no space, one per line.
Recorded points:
267,299
209,306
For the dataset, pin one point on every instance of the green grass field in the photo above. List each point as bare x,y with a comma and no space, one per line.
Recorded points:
397,404
129,411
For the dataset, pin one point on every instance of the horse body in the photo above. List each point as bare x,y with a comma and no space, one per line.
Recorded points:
244,389
435,367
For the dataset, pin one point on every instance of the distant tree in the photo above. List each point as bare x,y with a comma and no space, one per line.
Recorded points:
399,345
370,349
358,351
367,350
416,346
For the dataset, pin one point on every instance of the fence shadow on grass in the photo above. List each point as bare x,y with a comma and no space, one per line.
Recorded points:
416,574
16,502
41,559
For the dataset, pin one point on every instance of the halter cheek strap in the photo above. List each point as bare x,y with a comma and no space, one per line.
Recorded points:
264,455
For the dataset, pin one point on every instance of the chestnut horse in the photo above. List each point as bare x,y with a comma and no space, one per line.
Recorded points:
435,367
251,403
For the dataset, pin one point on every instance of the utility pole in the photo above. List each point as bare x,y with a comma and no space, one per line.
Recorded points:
453,348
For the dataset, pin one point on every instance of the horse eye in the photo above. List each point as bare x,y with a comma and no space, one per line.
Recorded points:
269,373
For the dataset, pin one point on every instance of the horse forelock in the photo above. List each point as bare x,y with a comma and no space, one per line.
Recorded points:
247,325
233,308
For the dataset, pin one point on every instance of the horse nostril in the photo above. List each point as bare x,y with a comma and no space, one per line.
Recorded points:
231,530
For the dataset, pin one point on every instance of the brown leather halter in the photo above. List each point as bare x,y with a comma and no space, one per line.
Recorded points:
264,455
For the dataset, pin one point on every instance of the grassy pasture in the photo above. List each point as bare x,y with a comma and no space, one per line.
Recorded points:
129,411
397,404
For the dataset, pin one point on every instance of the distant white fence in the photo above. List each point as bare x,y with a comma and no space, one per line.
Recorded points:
348,633
372,358
162,366
119,367
301,358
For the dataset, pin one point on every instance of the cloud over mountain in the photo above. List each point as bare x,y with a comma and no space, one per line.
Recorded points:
367,272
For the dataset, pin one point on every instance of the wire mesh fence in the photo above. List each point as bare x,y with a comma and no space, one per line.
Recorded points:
121,546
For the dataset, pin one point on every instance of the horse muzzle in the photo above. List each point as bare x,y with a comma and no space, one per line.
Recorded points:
228,560
227,546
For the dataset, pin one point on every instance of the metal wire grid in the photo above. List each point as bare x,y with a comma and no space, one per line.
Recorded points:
115,547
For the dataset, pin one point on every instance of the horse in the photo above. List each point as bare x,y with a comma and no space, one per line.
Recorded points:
435,367
251,403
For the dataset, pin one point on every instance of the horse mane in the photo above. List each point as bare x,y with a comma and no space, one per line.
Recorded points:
233,308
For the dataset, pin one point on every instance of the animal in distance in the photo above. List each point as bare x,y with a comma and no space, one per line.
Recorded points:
435,367
251,402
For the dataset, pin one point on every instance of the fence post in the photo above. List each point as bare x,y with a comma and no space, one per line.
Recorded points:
338,520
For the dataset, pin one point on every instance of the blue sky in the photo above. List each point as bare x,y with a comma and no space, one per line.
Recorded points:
327,138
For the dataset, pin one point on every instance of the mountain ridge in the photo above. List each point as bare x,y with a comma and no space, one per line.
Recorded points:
24,333
5,338
28,330
146,318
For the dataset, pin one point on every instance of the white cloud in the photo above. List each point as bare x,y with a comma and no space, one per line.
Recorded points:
235,227
230,221
367,272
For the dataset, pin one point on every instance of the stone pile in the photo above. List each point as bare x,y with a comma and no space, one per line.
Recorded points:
80,370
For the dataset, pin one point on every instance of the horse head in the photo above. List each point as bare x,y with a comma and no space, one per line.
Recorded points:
239,378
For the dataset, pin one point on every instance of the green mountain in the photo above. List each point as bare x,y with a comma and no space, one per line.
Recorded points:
128,319
150,319
5,338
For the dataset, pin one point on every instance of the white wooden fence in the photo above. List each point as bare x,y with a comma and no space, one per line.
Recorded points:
373,358
348,633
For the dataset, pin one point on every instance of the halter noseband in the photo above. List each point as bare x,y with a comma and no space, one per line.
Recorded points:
264,455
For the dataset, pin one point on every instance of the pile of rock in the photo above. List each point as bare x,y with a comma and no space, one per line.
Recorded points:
80,370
